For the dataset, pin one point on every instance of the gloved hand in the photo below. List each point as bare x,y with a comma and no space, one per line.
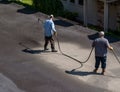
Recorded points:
55,33
111,48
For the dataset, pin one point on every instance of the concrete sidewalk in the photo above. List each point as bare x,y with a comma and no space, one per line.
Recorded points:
75,40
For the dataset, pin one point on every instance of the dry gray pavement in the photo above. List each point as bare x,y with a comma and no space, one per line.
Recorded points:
33,70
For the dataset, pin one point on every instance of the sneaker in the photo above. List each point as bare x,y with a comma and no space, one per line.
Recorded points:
46,49
54,50
102,73
95,70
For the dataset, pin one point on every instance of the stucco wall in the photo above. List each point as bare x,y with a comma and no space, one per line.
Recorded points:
74,8
118,17
92,12
112,16
94,15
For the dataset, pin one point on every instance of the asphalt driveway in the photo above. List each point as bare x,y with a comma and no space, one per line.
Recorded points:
24,67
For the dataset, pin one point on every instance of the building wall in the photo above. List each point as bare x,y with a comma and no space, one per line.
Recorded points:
92,12
100,13
112,16
73,7
118,17
95,12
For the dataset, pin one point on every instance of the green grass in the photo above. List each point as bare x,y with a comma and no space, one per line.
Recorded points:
29,2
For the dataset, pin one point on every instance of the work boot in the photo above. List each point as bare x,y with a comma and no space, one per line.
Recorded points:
95,70
54,50
103,71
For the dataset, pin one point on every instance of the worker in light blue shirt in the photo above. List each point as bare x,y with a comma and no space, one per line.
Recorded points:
49,32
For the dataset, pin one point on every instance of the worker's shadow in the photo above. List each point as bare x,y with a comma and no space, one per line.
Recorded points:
81,73
5,2
30,51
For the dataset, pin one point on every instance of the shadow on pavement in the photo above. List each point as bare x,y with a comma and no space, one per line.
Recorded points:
33,51
5,2
110,39
81,73
27,10
30,51
93,36
63,23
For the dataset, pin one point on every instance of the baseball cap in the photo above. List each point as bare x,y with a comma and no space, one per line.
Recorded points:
51,16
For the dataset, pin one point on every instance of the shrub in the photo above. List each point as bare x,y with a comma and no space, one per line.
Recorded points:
49,6
69,15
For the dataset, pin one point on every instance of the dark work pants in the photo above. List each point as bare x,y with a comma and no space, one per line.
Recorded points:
101,60
51,40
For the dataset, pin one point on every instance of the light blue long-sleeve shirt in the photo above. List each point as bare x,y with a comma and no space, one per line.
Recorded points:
49,28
